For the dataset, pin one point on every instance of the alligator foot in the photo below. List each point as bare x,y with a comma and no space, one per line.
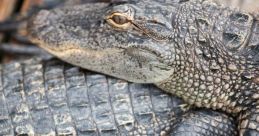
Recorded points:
200,122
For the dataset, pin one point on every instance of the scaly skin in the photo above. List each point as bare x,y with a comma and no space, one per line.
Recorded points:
201,52
51,98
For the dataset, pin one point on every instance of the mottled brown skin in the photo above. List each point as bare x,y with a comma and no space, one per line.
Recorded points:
201,52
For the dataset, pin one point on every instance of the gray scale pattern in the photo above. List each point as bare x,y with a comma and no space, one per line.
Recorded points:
53,98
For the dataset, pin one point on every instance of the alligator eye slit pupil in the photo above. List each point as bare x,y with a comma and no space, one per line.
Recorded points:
120,19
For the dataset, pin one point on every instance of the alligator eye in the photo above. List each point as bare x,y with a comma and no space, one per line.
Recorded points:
119,20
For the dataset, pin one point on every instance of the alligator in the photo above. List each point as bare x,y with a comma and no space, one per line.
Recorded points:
206,54
50,97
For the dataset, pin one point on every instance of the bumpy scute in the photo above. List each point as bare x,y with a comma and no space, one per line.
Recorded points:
53,98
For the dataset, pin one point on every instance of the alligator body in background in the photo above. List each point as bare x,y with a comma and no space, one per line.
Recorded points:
53,98
199,51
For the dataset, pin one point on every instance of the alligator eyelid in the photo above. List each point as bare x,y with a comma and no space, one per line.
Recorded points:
123,13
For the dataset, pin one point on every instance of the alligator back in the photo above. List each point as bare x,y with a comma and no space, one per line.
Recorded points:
53,98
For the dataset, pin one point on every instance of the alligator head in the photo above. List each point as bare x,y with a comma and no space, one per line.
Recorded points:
124,40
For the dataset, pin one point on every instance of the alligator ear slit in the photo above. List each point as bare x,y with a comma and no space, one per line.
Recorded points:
136,25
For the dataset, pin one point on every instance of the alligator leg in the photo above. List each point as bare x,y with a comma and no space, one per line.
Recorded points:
200,122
